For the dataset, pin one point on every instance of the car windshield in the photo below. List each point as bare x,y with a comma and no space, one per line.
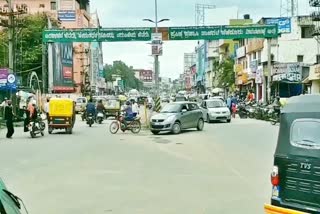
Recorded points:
171,108
180,98
81,100
215,104
305,133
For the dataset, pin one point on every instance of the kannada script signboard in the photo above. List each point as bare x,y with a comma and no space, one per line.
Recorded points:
222,32
175,33
97,35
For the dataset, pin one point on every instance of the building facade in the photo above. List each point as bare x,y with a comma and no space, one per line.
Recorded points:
74,76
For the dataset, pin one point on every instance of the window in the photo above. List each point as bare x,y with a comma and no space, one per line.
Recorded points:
193,106
305,133
41,6
53,5
318,59
300,58
306,32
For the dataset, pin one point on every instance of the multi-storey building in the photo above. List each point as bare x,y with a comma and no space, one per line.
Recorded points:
70,14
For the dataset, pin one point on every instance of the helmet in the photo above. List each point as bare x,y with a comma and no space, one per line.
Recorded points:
128,103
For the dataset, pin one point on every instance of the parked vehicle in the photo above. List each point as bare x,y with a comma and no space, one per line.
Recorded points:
10,203
133,125
37,127
274,116
61,115
215,110
296,169
177,116
180,99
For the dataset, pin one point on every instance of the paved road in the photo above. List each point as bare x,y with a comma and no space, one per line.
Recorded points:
224,169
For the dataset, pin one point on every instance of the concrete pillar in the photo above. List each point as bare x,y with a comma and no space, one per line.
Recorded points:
257,93
315,87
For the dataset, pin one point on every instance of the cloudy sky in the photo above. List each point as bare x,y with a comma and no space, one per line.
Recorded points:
129,13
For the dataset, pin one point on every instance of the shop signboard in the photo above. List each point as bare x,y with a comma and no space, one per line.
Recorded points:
314,73
3,77
201,62
67,15
238,69
291,72
259,74
283,23
253,66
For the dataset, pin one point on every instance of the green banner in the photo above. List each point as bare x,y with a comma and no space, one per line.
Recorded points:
223,32
97,35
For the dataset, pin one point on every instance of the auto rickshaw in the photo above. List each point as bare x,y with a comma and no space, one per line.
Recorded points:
296,170
61,115
112,106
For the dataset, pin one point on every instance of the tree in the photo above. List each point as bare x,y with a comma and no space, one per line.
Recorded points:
225,74
27,45
125,72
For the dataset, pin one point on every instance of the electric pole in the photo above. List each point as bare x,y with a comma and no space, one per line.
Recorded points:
11,31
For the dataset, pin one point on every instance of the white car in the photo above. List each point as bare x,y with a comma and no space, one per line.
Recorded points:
215,110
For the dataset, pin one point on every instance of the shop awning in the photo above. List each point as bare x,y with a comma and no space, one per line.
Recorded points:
306,80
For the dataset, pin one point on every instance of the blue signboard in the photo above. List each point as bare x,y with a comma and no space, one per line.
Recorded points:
67,15
284,24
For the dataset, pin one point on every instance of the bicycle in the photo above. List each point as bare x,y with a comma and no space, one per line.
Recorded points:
133,125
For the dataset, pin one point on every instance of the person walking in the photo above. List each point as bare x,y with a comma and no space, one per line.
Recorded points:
8,116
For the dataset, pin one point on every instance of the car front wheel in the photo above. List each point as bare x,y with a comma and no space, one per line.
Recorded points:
176,128
229,120
200,124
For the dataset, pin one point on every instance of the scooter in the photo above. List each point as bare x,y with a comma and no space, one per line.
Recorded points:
37,127
90,120
100,117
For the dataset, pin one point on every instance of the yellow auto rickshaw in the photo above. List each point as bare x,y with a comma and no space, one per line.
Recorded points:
61,115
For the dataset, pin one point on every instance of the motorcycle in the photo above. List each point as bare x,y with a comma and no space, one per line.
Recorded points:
274,116
100,117
90,120
37,127
134,125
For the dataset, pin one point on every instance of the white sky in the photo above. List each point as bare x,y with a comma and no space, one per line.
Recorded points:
129,13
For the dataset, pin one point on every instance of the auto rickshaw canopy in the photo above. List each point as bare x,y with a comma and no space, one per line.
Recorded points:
61,107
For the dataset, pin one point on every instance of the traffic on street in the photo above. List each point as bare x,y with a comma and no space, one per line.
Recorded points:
159,107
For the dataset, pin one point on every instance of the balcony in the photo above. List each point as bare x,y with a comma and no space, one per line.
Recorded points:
255,45
314,3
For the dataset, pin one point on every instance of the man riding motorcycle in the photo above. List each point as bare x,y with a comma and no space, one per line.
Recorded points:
91,108
128,112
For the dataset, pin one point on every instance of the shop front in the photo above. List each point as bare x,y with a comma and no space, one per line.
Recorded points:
286,79
314,79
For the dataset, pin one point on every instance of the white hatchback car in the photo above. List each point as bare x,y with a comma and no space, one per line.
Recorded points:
215,110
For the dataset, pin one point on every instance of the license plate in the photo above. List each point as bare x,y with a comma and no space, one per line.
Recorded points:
157,124
275,191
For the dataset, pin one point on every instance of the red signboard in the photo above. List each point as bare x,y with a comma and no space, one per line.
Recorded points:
146,75
67,72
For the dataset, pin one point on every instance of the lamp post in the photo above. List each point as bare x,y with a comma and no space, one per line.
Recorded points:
156,56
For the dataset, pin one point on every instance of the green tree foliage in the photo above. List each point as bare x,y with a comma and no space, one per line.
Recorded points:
225,74
27,45
126,73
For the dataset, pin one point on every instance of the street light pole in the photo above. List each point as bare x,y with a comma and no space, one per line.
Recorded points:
156,57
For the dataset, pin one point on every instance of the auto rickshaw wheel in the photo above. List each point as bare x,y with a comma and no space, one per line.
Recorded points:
69,130
50,130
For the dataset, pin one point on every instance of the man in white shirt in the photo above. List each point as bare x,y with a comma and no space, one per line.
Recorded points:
135,107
